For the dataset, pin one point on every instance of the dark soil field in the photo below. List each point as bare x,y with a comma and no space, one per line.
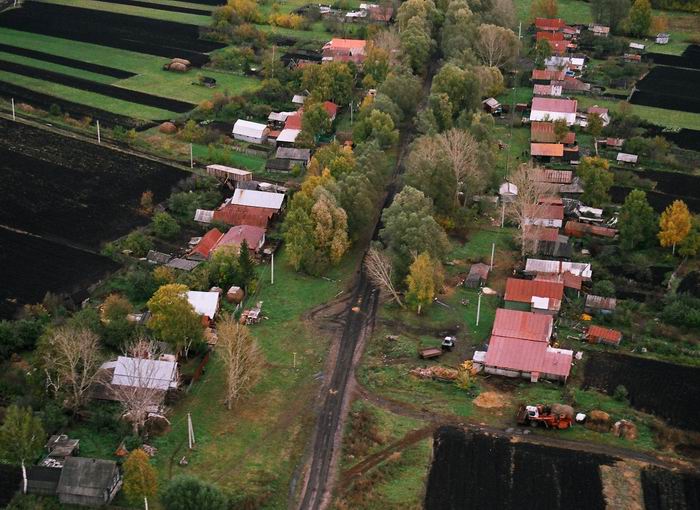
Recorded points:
69,62
666,490
685,139
134,33
44,101
31,266
689,59
667,390
160,7
476,471
658,200
132,96
671,88
80,192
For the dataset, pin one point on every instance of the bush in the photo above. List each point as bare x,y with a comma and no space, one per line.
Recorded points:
682,311
55,110
165,226
138,244
604,288
188,493
621,394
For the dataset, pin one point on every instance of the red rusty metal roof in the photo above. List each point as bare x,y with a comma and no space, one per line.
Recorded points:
559,47
331,109
524,290
543,132
234,237
546,75
551,24
555,150
578,229
527,356
548,104
570,280
549,36
206,245
601,334
541,233
524,325
545,212
293,121
553,176
244,215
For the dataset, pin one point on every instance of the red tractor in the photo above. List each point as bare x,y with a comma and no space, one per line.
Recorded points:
556,416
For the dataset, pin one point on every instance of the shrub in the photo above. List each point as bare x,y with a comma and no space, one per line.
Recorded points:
188,493
138,244
621,394
55,110
165,226
604,288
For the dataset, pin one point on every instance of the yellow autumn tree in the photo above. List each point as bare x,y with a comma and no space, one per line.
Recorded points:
424,279
140,479
674,224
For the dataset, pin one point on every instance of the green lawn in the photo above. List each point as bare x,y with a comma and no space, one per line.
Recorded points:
254,448
88,98
177,3
151,78
571,11
178,17
659,116
58,68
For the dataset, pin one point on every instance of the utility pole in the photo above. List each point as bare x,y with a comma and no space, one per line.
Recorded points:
272,269
493,250
503,214
478,308
190,432
272,64
145,503
294,363
13,109
351,113
99,140
191,158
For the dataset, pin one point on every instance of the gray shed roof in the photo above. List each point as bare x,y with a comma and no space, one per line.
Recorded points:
292,153
183,264
87,477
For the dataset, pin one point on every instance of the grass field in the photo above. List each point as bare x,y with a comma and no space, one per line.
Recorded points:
178,17
571,11
668,118
253,449
151,78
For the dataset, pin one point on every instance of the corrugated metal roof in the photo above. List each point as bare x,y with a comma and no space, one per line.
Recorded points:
244,215
544,212
524,290
578,229
234,237
553,150
479,270
252,198
548,104
145,373
607,335
292,153
533,266
247,128
227,170
525,325
541,233
288,135
549,23
204,303
600,302
82,476
345,44
206,245
543,132
527,356
627,158
549,36
547,75
552,176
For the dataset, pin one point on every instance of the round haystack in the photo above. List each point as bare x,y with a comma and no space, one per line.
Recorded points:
157,425
562,409
598,421
168,128
625,429
181,61
178,67
490,400
235,295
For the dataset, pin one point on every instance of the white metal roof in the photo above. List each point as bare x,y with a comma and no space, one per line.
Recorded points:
203,216
298,99
288,135
508,188
627,158
636,46
145,373
251,198
581,269
247,128
228,170
204,303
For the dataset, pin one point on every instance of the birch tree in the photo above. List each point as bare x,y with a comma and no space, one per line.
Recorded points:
380,271
496,46
71,362
21,439
241,356
674,225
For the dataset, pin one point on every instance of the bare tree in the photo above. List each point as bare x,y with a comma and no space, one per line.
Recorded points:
496,46
71,362
389,41
143,387
241,356
462,151
527,204
379,269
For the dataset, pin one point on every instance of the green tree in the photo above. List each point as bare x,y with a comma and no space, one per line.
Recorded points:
458,30
409,227
358,198
403,88
423,281
173,318
330,230
463,88
246,266
21,438
690,246
165,226
376,126
595,125
416,44
610,12
376,63
541,51
674,225
561,129
430,172
140,479
640,18
637,221
224,269
596,180
116,307
298,229
421,9
315,120
333,81
138,244
188,493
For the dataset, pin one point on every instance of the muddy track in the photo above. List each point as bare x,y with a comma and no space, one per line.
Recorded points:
319,476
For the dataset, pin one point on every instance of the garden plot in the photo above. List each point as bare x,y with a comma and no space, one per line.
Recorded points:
147,11
172,7
128,32
668,390
669,88
690,58
669,186
99,88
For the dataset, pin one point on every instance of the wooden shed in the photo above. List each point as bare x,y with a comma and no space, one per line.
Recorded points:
478,274
601,335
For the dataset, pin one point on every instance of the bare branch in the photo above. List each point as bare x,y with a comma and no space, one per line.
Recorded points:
379,269
241,356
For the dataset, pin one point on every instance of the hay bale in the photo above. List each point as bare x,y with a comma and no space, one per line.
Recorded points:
26,108
235,295
181,61
178,67
599,421
168,128
625,429
562,409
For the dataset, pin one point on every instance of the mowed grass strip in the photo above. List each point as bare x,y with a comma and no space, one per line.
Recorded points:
88,98
255,447
175,3
177,17
50,66
151,78
659,116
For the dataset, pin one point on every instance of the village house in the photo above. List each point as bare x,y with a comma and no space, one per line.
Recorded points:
627,159
600,305
553,176
214,240
546,76
546,90
88,482
581,269
544,215
344,50
519,347
564,63
229,173
492,106
478,274
549,36
601,112
662,38
203,249
546,152
288,157
599,30
507,191
534,295
601,335
614,143
205,304
543,132
549,24
546,241
572,283
551,109
572,85
250,207
252,132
